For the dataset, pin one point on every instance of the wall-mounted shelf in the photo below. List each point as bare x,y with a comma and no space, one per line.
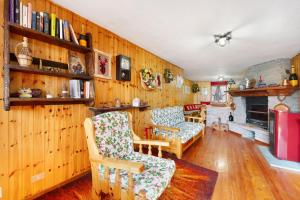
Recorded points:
18,68
47,101
99,110
13,28
266,91
33,34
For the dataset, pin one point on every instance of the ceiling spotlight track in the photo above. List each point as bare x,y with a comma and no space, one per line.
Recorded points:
223,39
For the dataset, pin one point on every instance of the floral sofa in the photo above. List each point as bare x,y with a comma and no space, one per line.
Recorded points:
114,139
171,125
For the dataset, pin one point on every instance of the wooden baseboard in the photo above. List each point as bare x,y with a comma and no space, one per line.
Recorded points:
58,185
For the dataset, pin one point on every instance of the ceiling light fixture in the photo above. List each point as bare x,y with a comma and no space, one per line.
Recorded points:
221,78
223,39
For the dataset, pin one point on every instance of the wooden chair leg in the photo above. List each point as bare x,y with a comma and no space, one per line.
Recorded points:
178,149
95,194
142,195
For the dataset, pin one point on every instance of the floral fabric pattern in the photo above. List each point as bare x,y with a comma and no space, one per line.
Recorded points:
168,116
154,179
113,135
187,131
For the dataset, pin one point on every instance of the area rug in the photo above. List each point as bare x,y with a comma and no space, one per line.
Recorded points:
275,162
189,182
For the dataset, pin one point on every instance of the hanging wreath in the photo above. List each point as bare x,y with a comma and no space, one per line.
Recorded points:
169,77
148,79
195,88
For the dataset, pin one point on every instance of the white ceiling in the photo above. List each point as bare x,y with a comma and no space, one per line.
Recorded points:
182,31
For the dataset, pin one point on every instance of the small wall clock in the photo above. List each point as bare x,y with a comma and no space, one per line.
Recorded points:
123,68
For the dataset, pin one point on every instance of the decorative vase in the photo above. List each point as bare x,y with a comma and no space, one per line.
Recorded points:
23,53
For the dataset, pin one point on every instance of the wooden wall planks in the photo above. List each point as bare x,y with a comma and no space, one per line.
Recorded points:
48,141
296,63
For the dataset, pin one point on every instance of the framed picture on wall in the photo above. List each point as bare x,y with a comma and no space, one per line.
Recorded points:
158,80
102,64
76,63
219,92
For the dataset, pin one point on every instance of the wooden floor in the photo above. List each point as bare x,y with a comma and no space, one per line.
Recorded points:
243,172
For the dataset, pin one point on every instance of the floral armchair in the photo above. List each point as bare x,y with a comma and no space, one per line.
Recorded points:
116,169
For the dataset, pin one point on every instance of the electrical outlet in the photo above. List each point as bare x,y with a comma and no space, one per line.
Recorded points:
37,177
1,193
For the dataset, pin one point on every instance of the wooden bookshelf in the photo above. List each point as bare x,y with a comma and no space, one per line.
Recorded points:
33,34
47,101
18,68
13,28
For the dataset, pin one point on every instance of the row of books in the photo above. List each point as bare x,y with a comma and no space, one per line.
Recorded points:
81,89
23,15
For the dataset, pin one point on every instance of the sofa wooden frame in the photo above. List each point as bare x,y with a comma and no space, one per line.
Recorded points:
176,146
102,184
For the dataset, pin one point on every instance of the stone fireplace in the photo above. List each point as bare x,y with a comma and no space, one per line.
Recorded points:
257,111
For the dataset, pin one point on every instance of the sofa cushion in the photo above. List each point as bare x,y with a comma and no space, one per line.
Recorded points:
154,179
113,135
187,131
168,116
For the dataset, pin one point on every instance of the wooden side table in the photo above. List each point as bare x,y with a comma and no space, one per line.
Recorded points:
220,126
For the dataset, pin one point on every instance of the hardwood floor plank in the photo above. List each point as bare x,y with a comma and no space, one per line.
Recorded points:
243,172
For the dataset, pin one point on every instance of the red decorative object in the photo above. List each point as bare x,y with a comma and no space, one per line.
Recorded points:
102,63
192,107
218,83
205,103
285,135
147,132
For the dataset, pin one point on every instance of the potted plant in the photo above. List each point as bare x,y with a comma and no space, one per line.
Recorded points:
168,76
195,88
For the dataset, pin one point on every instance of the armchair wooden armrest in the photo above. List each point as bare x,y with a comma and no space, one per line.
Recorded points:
200,119
166,128
129,166
152,142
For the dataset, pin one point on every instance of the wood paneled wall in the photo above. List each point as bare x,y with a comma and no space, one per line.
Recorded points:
47,142
296,63
198,97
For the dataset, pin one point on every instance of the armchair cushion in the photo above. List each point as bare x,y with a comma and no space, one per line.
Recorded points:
154,179
187,131
168,116
113,134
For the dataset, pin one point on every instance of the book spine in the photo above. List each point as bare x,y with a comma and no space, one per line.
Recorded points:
61,30
57,28
87,89
41,22
38,21
29,15
21,13
33,24
17,11
12,11
25,18
46,23
81,88
73,36
66,28
71,89
53,24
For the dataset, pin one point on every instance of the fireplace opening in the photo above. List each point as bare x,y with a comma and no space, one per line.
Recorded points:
257,111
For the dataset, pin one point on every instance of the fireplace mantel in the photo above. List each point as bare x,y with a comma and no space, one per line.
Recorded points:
266,91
